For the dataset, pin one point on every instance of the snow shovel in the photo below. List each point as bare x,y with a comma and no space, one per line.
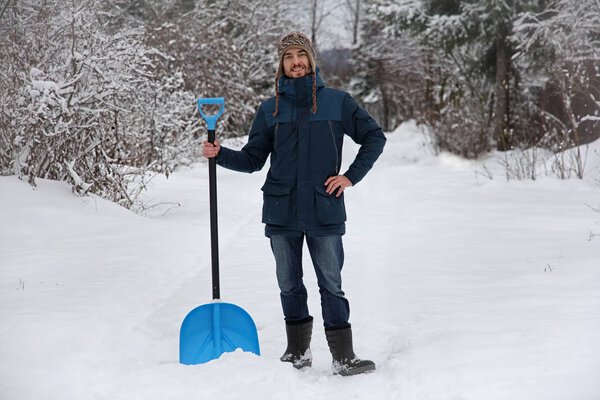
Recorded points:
213,329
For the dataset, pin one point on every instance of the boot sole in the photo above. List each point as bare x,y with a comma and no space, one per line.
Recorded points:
304,365
357,371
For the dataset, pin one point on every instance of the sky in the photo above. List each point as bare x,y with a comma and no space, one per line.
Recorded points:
334,30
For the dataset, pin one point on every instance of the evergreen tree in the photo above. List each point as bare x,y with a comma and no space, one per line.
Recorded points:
472,96
389,64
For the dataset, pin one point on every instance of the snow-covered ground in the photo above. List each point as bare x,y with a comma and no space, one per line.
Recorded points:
460,287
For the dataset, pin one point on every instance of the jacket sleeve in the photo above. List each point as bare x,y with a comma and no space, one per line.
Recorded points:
254,154
364,130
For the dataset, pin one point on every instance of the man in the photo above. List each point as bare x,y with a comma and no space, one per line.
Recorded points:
302,128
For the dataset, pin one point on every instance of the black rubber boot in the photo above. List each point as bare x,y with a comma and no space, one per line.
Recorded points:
345,362
299,334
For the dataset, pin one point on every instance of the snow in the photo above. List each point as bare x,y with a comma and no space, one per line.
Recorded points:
461,287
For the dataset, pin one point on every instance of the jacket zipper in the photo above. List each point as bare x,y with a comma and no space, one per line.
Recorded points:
275,140
334,148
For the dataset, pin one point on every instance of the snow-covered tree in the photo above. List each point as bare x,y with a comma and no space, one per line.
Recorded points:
463,51
224,49
389,64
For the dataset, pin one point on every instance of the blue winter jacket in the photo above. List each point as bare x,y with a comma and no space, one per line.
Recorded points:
305,150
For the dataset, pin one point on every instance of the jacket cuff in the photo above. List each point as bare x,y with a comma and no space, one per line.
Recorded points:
221,158
352,178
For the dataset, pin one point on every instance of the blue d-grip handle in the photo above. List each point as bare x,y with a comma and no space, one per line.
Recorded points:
211,120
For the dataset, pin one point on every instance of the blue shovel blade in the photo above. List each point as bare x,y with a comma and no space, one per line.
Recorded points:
213,329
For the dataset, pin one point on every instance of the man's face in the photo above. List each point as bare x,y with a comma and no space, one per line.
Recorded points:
295,63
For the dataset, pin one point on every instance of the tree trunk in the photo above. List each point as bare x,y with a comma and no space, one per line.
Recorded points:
356,22
385,109
314,24
502,133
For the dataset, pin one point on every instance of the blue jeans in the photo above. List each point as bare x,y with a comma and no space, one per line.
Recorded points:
327,254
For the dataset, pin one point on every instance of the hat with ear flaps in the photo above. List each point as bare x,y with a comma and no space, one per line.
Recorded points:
296,40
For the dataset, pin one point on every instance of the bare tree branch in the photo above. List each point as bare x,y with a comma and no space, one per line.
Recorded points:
4,7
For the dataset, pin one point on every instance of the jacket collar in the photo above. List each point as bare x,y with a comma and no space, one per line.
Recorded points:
288,86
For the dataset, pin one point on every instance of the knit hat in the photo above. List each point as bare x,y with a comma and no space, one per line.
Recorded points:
296,40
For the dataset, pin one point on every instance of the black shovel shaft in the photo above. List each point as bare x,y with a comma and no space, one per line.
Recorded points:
214,230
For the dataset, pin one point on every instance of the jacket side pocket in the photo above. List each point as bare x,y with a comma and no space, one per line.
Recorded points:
329,209
276,203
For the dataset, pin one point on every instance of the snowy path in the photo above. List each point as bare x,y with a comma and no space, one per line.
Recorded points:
461,287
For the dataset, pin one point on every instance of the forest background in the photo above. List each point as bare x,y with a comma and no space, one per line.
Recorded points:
101,93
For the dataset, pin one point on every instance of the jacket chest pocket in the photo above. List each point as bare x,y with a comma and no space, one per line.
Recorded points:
276,204
334,143
283,136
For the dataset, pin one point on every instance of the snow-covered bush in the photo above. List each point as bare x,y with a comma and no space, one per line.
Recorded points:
68,84
559,54
101,93
84,104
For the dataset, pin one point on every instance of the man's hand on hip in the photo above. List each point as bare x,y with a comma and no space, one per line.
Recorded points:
337,182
